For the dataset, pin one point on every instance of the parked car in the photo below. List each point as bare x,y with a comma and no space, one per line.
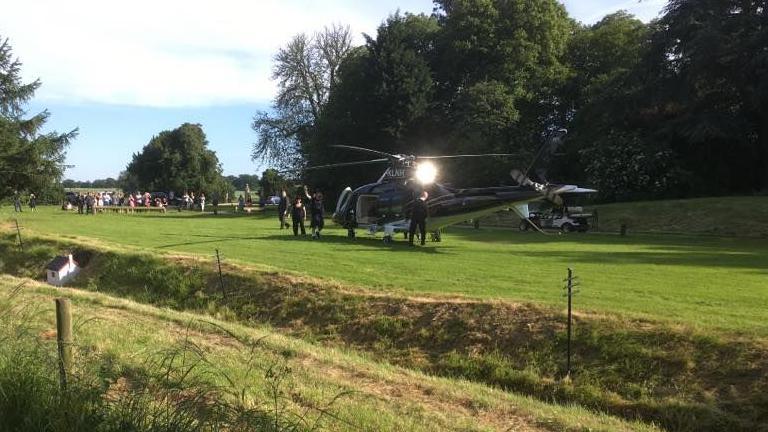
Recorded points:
70,197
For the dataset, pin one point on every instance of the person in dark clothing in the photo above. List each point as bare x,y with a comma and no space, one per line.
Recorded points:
17,202
89,204
282,209
80,203
32,202
298,214
419,215
316,212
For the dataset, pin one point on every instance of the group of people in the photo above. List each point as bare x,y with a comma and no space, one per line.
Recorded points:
297,210
17,207
188,200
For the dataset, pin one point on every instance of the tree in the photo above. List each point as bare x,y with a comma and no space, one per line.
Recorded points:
712,56
688,93
305,71
271,183
593,103
382,100
177,160
477,76
239,182
29,160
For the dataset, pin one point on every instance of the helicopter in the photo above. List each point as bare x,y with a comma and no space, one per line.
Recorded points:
384,206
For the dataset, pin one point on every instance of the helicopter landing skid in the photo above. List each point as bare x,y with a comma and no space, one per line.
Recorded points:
389,233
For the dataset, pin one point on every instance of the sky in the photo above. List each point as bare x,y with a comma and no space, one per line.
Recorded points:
121,72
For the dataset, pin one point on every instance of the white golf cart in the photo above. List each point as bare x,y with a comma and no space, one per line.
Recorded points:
565,219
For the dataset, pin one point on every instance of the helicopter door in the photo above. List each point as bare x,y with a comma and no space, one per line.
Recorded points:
367,209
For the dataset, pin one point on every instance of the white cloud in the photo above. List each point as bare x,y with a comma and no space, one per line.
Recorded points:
174,53
169,53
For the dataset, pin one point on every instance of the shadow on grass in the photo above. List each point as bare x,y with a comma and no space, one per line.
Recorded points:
369,243
186,214
689,257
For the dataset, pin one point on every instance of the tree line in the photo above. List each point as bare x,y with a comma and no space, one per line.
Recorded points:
676,107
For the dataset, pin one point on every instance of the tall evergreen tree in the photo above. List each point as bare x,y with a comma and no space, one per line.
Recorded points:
30,160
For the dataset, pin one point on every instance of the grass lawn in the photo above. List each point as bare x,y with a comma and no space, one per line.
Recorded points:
376,396
706,281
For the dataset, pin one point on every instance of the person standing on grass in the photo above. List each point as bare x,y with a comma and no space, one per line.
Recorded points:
202,202
316,211
282,209
32,202
298,214
80,203
90,204
17,201
419,215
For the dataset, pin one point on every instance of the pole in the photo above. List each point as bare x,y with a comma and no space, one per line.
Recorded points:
18,231
64,339
221,278
570,296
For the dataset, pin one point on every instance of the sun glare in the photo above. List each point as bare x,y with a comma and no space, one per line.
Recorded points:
426,173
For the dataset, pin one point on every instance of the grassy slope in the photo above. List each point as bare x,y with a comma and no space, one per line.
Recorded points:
383,397
701,281
722,216
730,216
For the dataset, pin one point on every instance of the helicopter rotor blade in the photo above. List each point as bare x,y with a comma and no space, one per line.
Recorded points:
342,164
550,145
370,151
468,156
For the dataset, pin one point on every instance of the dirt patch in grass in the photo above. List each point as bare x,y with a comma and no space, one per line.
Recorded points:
679,378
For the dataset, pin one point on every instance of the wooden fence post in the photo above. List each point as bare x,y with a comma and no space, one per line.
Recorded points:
64,339
18,232
221,278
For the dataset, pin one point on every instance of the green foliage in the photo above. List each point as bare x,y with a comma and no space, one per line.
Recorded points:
622,166
30,161
178,160
689,87
474,77
239,182
271,183
107,183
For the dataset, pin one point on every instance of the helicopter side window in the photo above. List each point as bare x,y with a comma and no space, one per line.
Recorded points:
383,194
367,209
